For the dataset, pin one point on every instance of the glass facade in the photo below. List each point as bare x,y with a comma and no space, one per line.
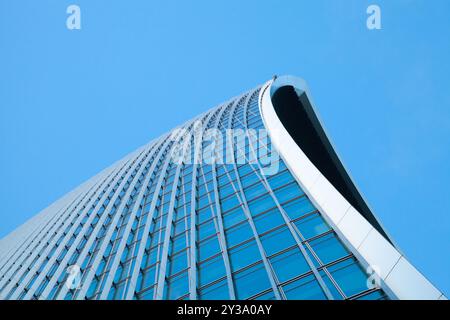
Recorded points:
153,228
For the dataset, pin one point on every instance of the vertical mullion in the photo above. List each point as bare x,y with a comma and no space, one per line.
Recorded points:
286,219
248,214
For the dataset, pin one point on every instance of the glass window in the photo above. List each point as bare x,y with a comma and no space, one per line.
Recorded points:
180,226
289,264
280,179
277,240
206,229
229,203
233,217
205,214
268,220
244,255
211,270
217,291
204,200
254,191
306,288
226,190
249,179
267,296
238,234
251,281
177,262
328,248
288,192
331,287
298,208
148,278
208,248
179,243
147,295
118,294
376,295
349,276
312,226
177,286
261,204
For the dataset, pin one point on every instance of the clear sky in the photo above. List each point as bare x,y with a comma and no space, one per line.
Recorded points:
74,102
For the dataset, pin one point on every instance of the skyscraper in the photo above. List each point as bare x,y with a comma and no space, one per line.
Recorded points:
247,201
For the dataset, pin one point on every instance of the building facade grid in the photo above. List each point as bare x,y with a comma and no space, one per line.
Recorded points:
151,228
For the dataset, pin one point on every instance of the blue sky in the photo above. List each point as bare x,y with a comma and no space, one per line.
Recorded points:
74,102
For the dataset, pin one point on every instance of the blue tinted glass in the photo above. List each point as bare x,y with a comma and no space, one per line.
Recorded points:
206,229
177,262
288,192
261,204
217,291
208,248
179,243
349,276
238,234
244,255
331,287
277,240
249,179
376,295
267,296
280,179
298,208
211,270
289,264
229,203
306,288
233,217
204,214
251,281
328,248
119,291
226,190
147,295
312,226
177,286
254,191
268,220
148,278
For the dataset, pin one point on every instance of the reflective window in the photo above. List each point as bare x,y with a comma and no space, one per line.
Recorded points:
208,248
289,264
238,234
349,276
268,220
251,281
261,204
177,286
211,270
312,226
216,291
244,255
233,217
306,288
328,248
298,207
277,240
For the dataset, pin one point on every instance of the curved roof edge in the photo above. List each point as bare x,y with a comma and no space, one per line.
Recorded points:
297,133
294,107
